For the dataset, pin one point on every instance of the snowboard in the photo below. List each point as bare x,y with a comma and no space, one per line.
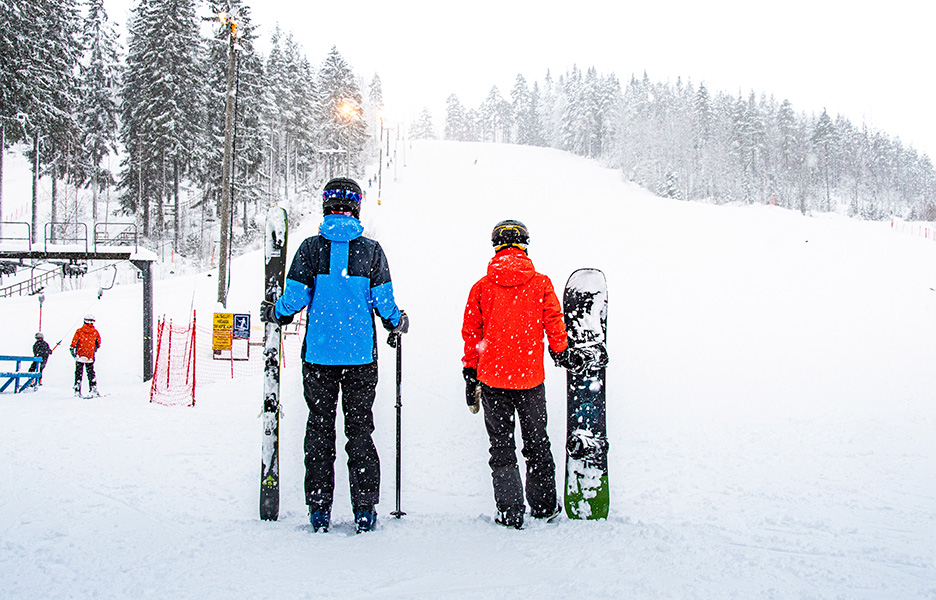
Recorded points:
585,304
273,283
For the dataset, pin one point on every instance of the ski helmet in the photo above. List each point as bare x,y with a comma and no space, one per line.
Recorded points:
342,195
510,234
89,318
39,336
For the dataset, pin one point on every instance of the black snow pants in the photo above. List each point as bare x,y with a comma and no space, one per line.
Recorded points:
79,368
321,385
530,405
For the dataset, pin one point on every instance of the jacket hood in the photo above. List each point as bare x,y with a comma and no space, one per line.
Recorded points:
340,228
511,267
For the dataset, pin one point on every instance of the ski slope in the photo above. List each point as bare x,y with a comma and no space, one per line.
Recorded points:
771,415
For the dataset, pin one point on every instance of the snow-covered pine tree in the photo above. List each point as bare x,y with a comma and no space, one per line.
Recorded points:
250,133
373,111
823,140
301,77
340,129
491,114
456,121
536,122
19,18
162,102
288,114
422,128
277,96
53,85
568,131
97,106
522,105
250,138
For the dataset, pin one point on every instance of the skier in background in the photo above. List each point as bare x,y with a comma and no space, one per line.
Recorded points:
84,346
508,312
42,350
342,279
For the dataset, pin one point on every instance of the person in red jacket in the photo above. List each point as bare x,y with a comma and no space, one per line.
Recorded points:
85,344
508,312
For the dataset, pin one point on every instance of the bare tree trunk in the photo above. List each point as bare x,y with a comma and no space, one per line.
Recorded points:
54,218
2,152
270,172
95,186
161,206
142,202
35,190
175,192
286,166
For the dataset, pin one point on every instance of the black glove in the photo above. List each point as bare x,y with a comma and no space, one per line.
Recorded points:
402,325
472,389
268,314
74,352
567,359
396,331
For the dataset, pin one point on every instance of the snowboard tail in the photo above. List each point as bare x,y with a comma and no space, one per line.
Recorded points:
273,283
585,303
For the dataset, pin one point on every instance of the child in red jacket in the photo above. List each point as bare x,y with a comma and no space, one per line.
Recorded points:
85,344
507,314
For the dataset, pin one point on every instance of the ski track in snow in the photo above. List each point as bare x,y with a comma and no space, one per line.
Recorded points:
770,413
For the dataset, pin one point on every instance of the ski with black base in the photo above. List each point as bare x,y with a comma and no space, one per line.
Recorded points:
585,304
273,283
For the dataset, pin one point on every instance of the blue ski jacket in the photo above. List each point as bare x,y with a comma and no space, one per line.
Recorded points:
341,278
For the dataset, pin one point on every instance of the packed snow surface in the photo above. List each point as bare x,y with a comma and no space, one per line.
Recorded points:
771,414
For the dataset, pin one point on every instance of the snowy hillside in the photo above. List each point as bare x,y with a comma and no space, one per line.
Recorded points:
770,410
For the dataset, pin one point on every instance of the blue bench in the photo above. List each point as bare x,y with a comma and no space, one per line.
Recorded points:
20,378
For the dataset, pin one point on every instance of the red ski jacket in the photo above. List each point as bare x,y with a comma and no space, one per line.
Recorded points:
86,342
507,313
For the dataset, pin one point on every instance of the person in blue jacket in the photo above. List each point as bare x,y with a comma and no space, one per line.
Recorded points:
341,278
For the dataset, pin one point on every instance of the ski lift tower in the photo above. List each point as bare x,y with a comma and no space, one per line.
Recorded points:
69,241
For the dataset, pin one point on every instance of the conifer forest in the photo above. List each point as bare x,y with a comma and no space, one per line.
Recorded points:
134,128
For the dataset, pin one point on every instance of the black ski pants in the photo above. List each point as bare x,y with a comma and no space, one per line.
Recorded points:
500,405
321,386
79,368
40,366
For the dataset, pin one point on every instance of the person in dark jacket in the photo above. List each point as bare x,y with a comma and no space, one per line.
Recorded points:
42,350
508,312
84,346
341,278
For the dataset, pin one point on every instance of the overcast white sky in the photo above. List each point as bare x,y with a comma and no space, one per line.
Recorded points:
872,64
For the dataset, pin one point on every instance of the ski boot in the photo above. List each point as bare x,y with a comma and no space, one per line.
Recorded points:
365,518
549,515
320,519
511,518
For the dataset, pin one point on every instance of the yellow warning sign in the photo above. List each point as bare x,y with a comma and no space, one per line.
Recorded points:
223,326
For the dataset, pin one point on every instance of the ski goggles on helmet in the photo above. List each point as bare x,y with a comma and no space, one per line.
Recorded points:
341,194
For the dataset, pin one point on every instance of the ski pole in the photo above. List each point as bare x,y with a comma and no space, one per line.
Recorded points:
399,407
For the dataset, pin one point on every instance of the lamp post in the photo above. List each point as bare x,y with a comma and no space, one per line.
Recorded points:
380,162
346,112
230,21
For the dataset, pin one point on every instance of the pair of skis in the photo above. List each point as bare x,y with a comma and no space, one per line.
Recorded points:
273,283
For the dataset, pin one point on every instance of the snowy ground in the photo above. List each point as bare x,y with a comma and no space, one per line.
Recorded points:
771,415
